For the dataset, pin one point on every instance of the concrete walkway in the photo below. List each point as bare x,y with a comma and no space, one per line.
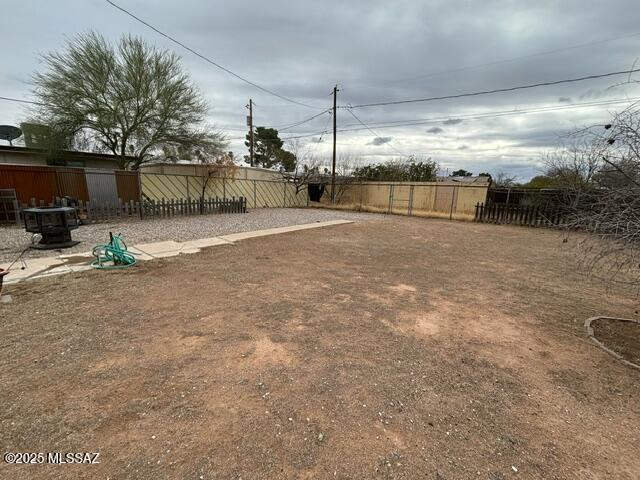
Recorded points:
58,265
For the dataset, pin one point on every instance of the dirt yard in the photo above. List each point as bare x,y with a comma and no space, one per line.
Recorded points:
621,337
397,349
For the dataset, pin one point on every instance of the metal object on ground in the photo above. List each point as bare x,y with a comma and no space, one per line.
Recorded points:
3,272
113,254
54,224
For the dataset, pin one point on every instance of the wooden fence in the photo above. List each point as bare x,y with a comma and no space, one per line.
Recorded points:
202,206
428,199
527,215
94,211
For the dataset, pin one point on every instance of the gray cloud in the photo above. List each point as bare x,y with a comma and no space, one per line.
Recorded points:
301,49
564,99
435,130
380,140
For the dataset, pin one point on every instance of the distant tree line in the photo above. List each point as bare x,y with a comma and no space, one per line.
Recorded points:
398,171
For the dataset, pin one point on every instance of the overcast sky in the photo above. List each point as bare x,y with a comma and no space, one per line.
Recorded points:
375,51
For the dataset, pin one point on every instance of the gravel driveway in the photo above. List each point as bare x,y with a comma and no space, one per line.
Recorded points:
179,228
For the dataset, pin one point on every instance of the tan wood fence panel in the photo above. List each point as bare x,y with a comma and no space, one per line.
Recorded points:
437,199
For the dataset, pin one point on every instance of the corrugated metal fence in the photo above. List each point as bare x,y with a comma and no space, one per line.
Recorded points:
44,184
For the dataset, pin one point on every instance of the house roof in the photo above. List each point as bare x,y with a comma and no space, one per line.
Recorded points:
480,180
67,153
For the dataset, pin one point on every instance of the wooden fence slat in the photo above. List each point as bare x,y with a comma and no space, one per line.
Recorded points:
94,211
527,215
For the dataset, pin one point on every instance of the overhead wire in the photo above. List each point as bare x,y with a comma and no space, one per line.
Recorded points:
493,91
495,114
375,134
207,59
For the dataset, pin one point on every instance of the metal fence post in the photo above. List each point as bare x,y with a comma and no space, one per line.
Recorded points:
140,197
255,198
453,196
410,207
390,199
284,197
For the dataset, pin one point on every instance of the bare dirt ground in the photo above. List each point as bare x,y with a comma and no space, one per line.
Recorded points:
621,337
399,349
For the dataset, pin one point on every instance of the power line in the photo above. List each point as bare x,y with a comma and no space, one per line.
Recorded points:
308,153
497,90
286,127
206,59
502,113
544,108
19,100
283,126
513,59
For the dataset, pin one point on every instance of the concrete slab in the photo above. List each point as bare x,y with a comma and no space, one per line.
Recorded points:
35,266
157,248
206,242
54,271
172,253
186,251
234,237
139,254
72,256
80,268
79,262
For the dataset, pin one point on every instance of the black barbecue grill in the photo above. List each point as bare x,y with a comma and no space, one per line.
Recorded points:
54,224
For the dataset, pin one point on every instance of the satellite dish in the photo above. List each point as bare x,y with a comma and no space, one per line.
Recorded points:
9,133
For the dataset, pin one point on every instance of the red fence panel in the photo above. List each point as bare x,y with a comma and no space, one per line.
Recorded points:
128,186
29,182
45,183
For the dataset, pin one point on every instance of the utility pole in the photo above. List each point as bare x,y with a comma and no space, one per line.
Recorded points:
250,124
333,163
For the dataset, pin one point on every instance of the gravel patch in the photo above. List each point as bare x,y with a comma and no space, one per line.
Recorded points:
179,229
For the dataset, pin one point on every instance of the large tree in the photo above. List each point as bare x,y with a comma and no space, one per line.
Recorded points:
134,99
268,150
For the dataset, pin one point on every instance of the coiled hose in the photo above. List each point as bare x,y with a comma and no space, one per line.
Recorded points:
113,254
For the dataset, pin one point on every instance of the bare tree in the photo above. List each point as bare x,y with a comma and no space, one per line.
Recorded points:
303,174
575,165
502,179
346,165
133,98
602,197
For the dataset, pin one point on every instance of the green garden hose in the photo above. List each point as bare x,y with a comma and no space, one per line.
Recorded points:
113,254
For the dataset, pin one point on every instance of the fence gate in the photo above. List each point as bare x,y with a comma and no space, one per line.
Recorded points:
445,199
400,197
102,186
